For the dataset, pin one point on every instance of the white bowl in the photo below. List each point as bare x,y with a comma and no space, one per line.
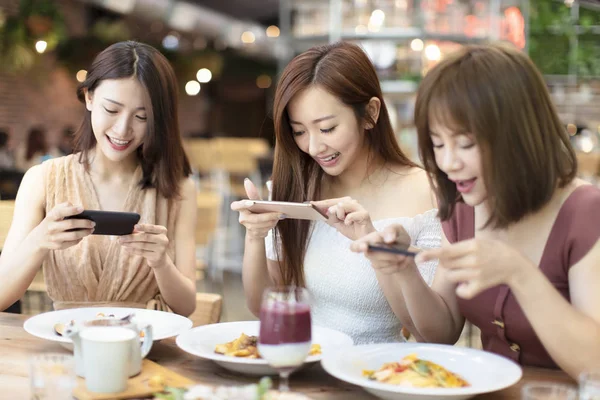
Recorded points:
201,342
485,372
164,324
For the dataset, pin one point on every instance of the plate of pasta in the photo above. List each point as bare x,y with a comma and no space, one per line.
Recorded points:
398,371
232,345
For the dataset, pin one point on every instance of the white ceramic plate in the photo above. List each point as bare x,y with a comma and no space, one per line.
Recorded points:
164,324
201,342
485,372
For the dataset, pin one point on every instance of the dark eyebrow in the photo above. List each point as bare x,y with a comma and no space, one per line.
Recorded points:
316,120
119,104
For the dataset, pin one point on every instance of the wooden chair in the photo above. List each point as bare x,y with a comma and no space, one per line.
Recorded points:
208,309
209,204
7,208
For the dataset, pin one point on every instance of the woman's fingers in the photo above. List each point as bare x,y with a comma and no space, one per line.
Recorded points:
357,217
69,225
73,236
251,218
241,205
64,210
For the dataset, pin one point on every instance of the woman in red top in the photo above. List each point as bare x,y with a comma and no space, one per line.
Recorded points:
521,255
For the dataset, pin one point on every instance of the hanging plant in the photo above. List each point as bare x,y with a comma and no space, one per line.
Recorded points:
36,20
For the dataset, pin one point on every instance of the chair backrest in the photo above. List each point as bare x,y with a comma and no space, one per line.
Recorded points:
201,154
208,309
209,204
7,208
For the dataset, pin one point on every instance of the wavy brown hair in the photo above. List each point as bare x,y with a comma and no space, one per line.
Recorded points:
496,93
164,162
345,71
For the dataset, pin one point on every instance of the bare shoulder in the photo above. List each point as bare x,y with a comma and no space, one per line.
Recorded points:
30,203
31,183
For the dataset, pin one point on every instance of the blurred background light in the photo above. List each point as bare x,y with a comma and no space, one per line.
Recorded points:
433,53
81,75
192,88
248,37
263,81
204,75
171,42
417,45
273,31
40,46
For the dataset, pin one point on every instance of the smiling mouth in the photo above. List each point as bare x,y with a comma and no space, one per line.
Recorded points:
331,157
465,186
118,142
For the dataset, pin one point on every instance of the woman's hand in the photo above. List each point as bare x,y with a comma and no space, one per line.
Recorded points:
478,264
386,263
257,225
148,241
57,233
347,216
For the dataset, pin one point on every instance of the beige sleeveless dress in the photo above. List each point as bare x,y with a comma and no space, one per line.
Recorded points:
97,271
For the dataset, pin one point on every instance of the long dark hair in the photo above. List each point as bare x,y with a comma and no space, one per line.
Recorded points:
164,162
497,94
345,71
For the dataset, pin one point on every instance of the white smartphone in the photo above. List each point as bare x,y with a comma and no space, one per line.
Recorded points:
290,209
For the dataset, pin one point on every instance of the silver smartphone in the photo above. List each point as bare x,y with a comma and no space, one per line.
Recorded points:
290,209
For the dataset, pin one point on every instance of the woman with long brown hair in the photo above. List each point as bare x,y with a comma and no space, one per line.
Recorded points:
335,146
128,157
524,263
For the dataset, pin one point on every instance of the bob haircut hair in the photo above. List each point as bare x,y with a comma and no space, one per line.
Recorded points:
344,70
496,93
163,160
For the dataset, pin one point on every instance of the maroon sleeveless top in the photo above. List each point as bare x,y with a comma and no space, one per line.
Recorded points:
504,328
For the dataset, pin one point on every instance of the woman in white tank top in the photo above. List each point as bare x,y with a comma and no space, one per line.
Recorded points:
335,146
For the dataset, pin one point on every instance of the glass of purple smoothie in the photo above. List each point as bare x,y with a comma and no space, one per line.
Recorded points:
284,339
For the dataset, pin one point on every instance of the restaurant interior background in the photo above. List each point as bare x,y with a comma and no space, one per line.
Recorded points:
227,54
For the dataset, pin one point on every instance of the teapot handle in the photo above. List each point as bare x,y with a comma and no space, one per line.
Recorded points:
147,340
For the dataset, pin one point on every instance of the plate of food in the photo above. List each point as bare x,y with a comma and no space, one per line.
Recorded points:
51,325
261,391
232,345
398,371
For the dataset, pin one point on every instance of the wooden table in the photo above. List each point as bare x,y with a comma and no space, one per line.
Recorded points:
16,346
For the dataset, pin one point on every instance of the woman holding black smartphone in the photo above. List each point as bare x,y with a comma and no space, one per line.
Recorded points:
335,146
128,157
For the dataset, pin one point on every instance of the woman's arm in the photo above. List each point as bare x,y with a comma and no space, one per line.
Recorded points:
258,272
431,314
33,234
177,282
569,332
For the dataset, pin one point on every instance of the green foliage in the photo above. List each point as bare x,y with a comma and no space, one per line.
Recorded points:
36,20
552,31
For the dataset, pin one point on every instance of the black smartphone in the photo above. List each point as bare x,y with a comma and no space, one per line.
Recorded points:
110,222
392,248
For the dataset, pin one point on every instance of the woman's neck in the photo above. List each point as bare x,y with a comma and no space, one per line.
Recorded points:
105,169
364,171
